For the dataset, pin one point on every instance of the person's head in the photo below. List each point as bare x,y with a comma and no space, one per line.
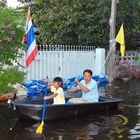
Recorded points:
57,82
87,75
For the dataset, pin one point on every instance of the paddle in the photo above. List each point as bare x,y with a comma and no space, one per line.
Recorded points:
40,127
73,83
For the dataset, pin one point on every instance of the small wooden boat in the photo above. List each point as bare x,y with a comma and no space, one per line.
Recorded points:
28,108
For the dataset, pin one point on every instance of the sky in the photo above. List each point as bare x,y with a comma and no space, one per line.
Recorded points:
12,3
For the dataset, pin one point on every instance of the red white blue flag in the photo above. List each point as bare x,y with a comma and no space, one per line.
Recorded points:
31,51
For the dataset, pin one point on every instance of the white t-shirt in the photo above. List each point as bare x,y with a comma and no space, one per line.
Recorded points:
93,91
59,99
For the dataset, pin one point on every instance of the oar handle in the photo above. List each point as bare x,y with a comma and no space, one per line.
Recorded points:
73,83
44,109
45,103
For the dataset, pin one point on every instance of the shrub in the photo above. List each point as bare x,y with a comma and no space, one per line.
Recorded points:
9,77
12,23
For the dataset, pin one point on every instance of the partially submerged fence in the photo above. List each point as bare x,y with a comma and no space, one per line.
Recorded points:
60,60
129,66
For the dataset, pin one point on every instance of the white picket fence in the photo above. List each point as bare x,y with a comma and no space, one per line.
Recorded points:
63,61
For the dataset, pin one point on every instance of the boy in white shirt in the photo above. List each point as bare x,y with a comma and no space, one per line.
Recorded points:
58,93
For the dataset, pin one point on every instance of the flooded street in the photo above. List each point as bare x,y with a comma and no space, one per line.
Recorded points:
121,125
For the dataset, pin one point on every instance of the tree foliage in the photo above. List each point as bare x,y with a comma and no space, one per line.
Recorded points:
8,78
84,22
128,12
25,1
80,22
11,34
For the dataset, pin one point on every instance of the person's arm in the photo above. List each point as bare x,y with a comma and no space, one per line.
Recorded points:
81,86
50,97
74,89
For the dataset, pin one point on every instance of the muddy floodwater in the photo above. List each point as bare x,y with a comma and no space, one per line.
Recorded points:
121,125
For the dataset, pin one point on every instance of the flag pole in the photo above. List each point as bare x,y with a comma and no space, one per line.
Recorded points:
31,50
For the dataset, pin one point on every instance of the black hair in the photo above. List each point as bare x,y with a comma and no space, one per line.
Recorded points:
58,80
87,70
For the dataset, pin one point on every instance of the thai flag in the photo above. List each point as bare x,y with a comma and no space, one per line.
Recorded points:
31,51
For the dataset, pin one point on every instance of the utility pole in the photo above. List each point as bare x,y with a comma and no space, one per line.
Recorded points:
110,69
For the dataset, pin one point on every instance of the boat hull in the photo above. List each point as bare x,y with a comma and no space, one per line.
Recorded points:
28,109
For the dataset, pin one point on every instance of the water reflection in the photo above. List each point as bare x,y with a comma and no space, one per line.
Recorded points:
135,131
26,131
87,132
85,128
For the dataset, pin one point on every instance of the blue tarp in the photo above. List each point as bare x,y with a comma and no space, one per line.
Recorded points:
37,87
100,79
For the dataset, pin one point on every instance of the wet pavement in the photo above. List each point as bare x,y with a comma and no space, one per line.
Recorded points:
121,125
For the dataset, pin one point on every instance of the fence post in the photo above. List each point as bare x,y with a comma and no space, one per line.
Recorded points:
99,61
60,63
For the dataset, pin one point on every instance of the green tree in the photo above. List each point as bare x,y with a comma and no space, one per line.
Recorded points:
9,77
84,22
80,22
25,1
128,12
11,34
